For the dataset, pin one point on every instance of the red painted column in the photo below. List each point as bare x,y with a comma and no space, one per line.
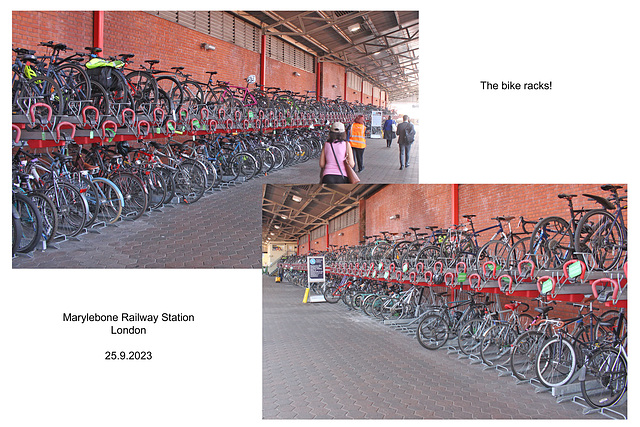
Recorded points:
319,80
455,203
327,237
98,30
345,86
263,59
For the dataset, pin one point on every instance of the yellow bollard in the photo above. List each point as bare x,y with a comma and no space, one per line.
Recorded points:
306,296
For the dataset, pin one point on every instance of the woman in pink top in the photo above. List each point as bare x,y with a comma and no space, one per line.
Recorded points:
333,171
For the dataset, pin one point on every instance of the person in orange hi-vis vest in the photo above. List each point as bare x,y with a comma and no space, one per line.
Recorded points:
358,141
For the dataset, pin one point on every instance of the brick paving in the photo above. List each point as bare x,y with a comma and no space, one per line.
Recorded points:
222,229
322,361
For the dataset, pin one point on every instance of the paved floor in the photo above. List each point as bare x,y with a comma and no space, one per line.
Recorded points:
223,229
321,361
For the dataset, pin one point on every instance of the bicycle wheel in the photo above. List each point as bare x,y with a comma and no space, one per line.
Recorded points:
75,85
523,354
603,381
244,164
111,201
72,208
31,223
173,88
432,332
16,228
496,251
519,251
156,187
495,348
470,335
144,91
428,256
555,362
100,98
40,89
332,294
134,194
190,181
600,240
551,243
49,214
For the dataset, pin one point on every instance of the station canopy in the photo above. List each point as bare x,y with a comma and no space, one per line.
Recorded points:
379,46
292,211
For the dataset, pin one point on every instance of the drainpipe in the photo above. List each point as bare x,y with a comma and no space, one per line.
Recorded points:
98,30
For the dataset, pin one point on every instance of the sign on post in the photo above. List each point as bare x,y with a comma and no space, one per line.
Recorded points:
376,124
315,274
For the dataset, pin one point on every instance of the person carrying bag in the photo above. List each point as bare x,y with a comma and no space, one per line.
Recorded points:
336,158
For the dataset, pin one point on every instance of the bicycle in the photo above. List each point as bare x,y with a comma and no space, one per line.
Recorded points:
603,379
601,236
435,328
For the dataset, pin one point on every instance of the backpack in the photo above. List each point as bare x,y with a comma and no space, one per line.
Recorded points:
408,134
101,71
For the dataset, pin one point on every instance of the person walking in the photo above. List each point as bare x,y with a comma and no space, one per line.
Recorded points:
389,129
333,155
357,141
406,134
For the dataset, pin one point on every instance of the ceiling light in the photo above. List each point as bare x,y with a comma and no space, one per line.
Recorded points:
296,198
283,216
276,227
353,28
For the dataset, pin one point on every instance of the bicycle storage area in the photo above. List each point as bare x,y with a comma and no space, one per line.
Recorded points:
416,294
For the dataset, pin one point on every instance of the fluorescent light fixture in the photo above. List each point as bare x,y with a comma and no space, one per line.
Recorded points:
276,227
353,28
296,198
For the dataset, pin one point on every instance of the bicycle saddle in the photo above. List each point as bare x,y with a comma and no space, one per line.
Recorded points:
609,187
468,216
567,196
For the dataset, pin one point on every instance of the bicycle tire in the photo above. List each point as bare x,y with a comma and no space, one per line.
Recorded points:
75,85
495,348
173,88
134,192
111,200
243,164
555,362
144,91
523,354
72,208
432,332
190,181
496,251
156,187
600,238
31,222
553,251
332,294
100,98
470,335
604,380
39,89
49,214
16,229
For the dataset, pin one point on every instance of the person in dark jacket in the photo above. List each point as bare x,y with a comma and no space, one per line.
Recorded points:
406,134
389,130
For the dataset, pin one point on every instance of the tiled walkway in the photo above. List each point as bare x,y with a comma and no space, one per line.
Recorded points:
322,361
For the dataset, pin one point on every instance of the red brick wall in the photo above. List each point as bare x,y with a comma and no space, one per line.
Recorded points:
350,235
150,37
73,28
281,75
533,201
332,74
